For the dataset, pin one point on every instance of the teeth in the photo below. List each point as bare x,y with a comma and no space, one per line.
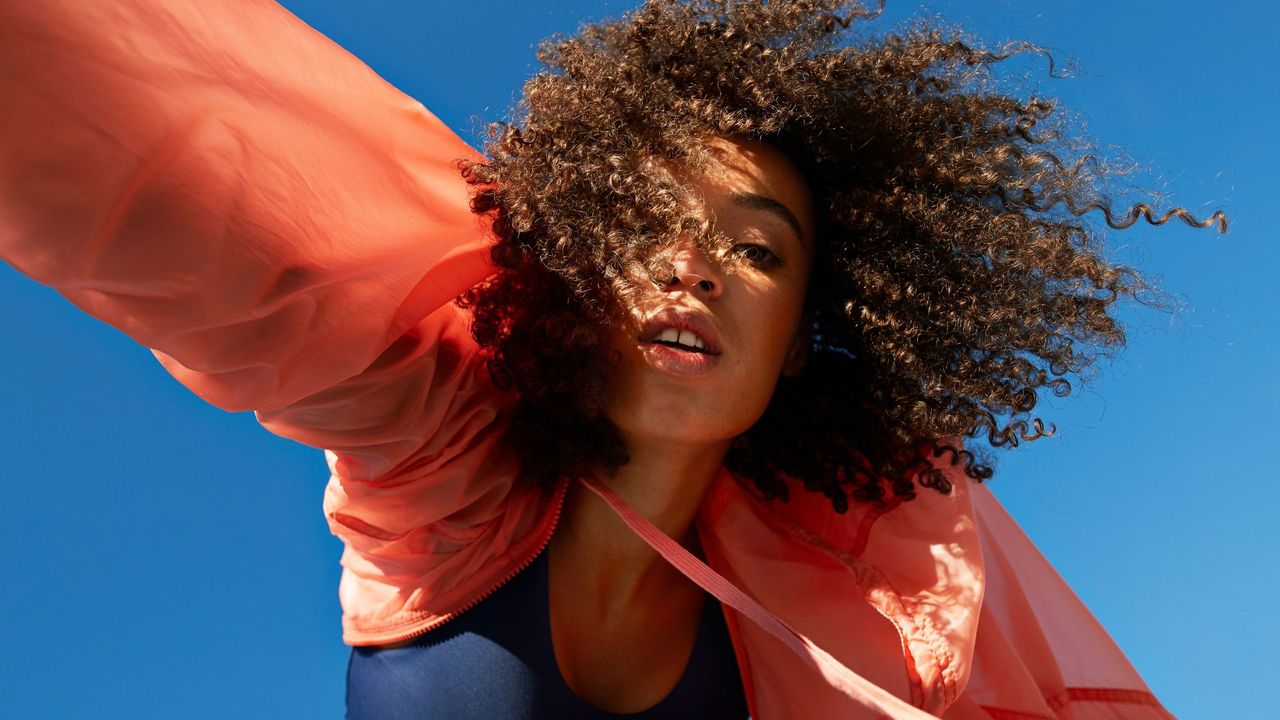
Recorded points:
688,338
681,337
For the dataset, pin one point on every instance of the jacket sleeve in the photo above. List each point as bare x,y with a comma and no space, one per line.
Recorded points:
231,189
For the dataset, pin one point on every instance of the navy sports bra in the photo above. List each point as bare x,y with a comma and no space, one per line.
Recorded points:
496,662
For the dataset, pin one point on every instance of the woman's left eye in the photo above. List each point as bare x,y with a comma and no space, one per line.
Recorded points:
758,255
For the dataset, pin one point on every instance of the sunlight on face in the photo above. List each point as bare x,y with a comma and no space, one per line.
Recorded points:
749,322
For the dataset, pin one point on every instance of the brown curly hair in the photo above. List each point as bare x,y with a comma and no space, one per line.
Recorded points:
957,276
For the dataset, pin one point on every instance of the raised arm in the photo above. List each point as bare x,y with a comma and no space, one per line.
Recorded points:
231,189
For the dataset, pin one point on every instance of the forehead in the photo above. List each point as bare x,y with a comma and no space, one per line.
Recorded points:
742,165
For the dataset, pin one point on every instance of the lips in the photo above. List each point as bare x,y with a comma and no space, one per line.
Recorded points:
682,319
677,362
672,360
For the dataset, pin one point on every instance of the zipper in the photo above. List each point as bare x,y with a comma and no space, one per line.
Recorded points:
557,507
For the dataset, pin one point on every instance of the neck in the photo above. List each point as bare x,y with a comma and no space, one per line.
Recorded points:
664,481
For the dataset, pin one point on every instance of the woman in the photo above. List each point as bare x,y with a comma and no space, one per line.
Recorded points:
864,244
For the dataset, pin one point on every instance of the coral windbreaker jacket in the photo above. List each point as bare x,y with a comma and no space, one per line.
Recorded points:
286,231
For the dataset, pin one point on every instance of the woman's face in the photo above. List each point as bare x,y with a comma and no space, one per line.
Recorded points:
749,323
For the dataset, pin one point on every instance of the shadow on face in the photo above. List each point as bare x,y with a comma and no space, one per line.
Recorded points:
700,362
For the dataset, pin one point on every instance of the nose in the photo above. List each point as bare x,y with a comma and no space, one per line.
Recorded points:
695,273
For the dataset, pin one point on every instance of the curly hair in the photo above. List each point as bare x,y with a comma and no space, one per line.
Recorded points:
957,276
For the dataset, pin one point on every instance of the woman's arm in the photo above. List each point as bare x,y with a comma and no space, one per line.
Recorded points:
233,190
228,187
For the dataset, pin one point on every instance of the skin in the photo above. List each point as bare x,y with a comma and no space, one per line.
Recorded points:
609,590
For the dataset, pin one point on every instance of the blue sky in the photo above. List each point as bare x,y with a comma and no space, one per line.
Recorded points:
164,559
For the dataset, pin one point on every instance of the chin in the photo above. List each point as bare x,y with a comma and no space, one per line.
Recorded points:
645,405
679,424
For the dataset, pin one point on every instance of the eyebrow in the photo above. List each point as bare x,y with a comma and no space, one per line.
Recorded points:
753,201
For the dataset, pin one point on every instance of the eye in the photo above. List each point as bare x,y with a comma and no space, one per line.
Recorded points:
758,255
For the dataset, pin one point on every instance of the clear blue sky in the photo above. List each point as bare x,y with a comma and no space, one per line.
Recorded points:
163,559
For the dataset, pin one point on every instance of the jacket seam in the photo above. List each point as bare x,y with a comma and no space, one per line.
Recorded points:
150,166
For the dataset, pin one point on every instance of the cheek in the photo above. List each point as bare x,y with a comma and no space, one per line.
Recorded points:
768,331
770,322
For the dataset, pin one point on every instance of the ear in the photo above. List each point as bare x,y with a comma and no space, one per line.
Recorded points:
798,353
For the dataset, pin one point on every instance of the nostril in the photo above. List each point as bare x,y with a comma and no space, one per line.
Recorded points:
682,275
